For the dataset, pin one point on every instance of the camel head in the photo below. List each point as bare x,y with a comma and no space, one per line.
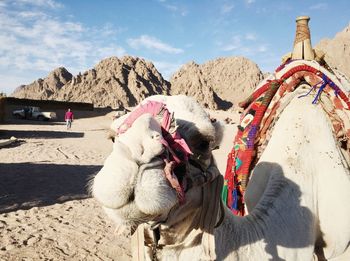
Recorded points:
135,184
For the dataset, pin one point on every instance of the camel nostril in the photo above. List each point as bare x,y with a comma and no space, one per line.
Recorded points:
156,136
131,196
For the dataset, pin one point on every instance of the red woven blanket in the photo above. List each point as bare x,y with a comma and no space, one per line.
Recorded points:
258,115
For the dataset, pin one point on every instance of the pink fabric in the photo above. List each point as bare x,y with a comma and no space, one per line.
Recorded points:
151,107
68,116
172,141
174,182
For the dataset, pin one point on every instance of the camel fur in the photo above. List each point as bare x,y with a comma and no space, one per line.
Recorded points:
129,151
298,212
143,139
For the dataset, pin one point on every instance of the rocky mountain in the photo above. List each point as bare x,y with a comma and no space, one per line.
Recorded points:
217,84
115,82
124,82
337,51
44,89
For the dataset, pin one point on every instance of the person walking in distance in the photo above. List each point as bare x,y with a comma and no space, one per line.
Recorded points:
68,117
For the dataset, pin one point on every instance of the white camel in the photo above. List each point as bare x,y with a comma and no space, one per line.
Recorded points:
296,197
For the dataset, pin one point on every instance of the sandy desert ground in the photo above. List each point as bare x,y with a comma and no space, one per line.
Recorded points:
46,212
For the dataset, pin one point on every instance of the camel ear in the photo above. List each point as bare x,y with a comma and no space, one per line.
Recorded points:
219,133
111,135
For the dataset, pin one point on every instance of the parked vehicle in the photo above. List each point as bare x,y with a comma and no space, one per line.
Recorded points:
34,113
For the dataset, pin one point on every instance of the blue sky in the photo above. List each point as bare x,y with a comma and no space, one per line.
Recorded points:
37,36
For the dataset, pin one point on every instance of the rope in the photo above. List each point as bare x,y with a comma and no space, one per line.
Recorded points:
311,89
176,146
320,90
302,33
211,216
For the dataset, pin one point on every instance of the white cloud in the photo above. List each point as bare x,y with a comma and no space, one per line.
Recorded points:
246,46
7,81
149,42
230,47
252,50
234,44
173,8
250,36
31,14
111,50
33,40
319,6
176,9
249,1
227,8
39,3
167,69
262,48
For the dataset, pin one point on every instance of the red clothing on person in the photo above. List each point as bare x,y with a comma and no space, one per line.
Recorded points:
68,115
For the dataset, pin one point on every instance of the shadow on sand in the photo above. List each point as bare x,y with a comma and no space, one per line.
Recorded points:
33,122
27,185
39,134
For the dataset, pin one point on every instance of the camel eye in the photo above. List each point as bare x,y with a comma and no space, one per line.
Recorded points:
204,145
